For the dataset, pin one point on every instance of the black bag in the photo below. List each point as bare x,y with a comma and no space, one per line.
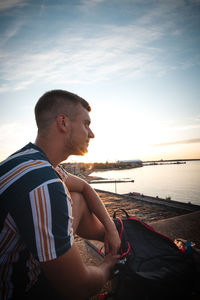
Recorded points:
152,266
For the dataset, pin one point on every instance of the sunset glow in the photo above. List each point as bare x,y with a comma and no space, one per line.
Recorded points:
136,62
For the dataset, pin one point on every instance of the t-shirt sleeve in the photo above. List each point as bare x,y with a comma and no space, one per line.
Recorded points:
62,172
52,221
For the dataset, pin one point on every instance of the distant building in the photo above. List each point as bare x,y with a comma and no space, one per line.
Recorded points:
72,168
77,169
133,163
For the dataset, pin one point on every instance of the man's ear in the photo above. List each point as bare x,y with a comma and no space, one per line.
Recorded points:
63,122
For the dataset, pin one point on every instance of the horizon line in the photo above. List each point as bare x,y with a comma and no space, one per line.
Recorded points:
143,161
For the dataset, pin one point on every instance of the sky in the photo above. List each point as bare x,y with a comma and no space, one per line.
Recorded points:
137,62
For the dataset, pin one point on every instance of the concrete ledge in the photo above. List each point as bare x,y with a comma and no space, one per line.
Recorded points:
93,248
185,226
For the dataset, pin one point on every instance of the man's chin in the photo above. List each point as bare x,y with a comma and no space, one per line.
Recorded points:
81,152
84,152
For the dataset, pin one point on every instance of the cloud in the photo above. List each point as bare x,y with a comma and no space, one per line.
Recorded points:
87,5
187,127
84,55
91,2
13,135
119,51
9,33
7,4
188,141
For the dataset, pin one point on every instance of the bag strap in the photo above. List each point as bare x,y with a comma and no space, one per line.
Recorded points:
126,252
123,210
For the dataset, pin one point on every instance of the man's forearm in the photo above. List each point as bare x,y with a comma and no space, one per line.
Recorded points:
75,184
97,276
74,280
96,206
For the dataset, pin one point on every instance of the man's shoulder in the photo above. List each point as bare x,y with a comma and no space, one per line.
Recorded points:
28,152
28,167
28,155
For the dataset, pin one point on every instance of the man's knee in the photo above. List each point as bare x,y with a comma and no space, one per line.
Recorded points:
79,207
78,203
75,197
85,223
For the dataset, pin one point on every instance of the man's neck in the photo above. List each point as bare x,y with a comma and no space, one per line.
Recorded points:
51,150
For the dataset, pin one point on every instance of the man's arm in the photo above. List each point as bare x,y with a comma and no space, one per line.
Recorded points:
74,280
75,184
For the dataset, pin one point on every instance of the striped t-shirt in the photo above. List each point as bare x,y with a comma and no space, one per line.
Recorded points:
35,218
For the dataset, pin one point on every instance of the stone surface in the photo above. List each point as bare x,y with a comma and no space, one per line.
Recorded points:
186,227
175,223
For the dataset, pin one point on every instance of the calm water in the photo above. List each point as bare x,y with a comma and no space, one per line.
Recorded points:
180,182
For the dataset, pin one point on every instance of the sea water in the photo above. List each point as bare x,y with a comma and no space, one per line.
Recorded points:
180,182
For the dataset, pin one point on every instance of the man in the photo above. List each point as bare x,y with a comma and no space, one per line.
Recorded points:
42,208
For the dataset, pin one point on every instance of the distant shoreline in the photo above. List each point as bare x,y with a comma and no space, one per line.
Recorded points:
172,160
110,167
84,170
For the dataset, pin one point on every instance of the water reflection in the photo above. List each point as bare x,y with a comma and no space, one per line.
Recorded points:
180,182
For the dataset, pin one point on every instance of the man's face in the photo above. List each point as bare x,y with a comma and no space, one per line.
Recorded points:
80,133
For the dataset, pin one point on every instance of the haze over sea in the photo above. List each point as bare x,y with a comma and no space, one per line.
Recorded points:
180,182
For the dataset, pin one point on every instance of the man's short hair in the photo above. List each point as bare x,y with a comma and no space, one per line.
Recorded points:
56,102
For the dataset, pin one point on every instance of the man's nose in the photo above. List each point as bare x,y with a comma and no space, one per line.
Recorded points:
91,134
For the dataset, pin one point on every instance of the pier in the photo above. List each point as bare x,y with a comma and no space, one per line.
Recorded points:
189,207
137,197
109,181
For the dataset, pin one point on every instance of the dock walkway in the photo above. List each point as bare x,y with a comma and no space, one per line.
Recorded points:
165,202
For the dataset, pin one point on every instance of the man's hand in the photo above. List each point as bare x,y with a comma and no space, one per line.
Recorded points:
112,241
109,263
73,279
